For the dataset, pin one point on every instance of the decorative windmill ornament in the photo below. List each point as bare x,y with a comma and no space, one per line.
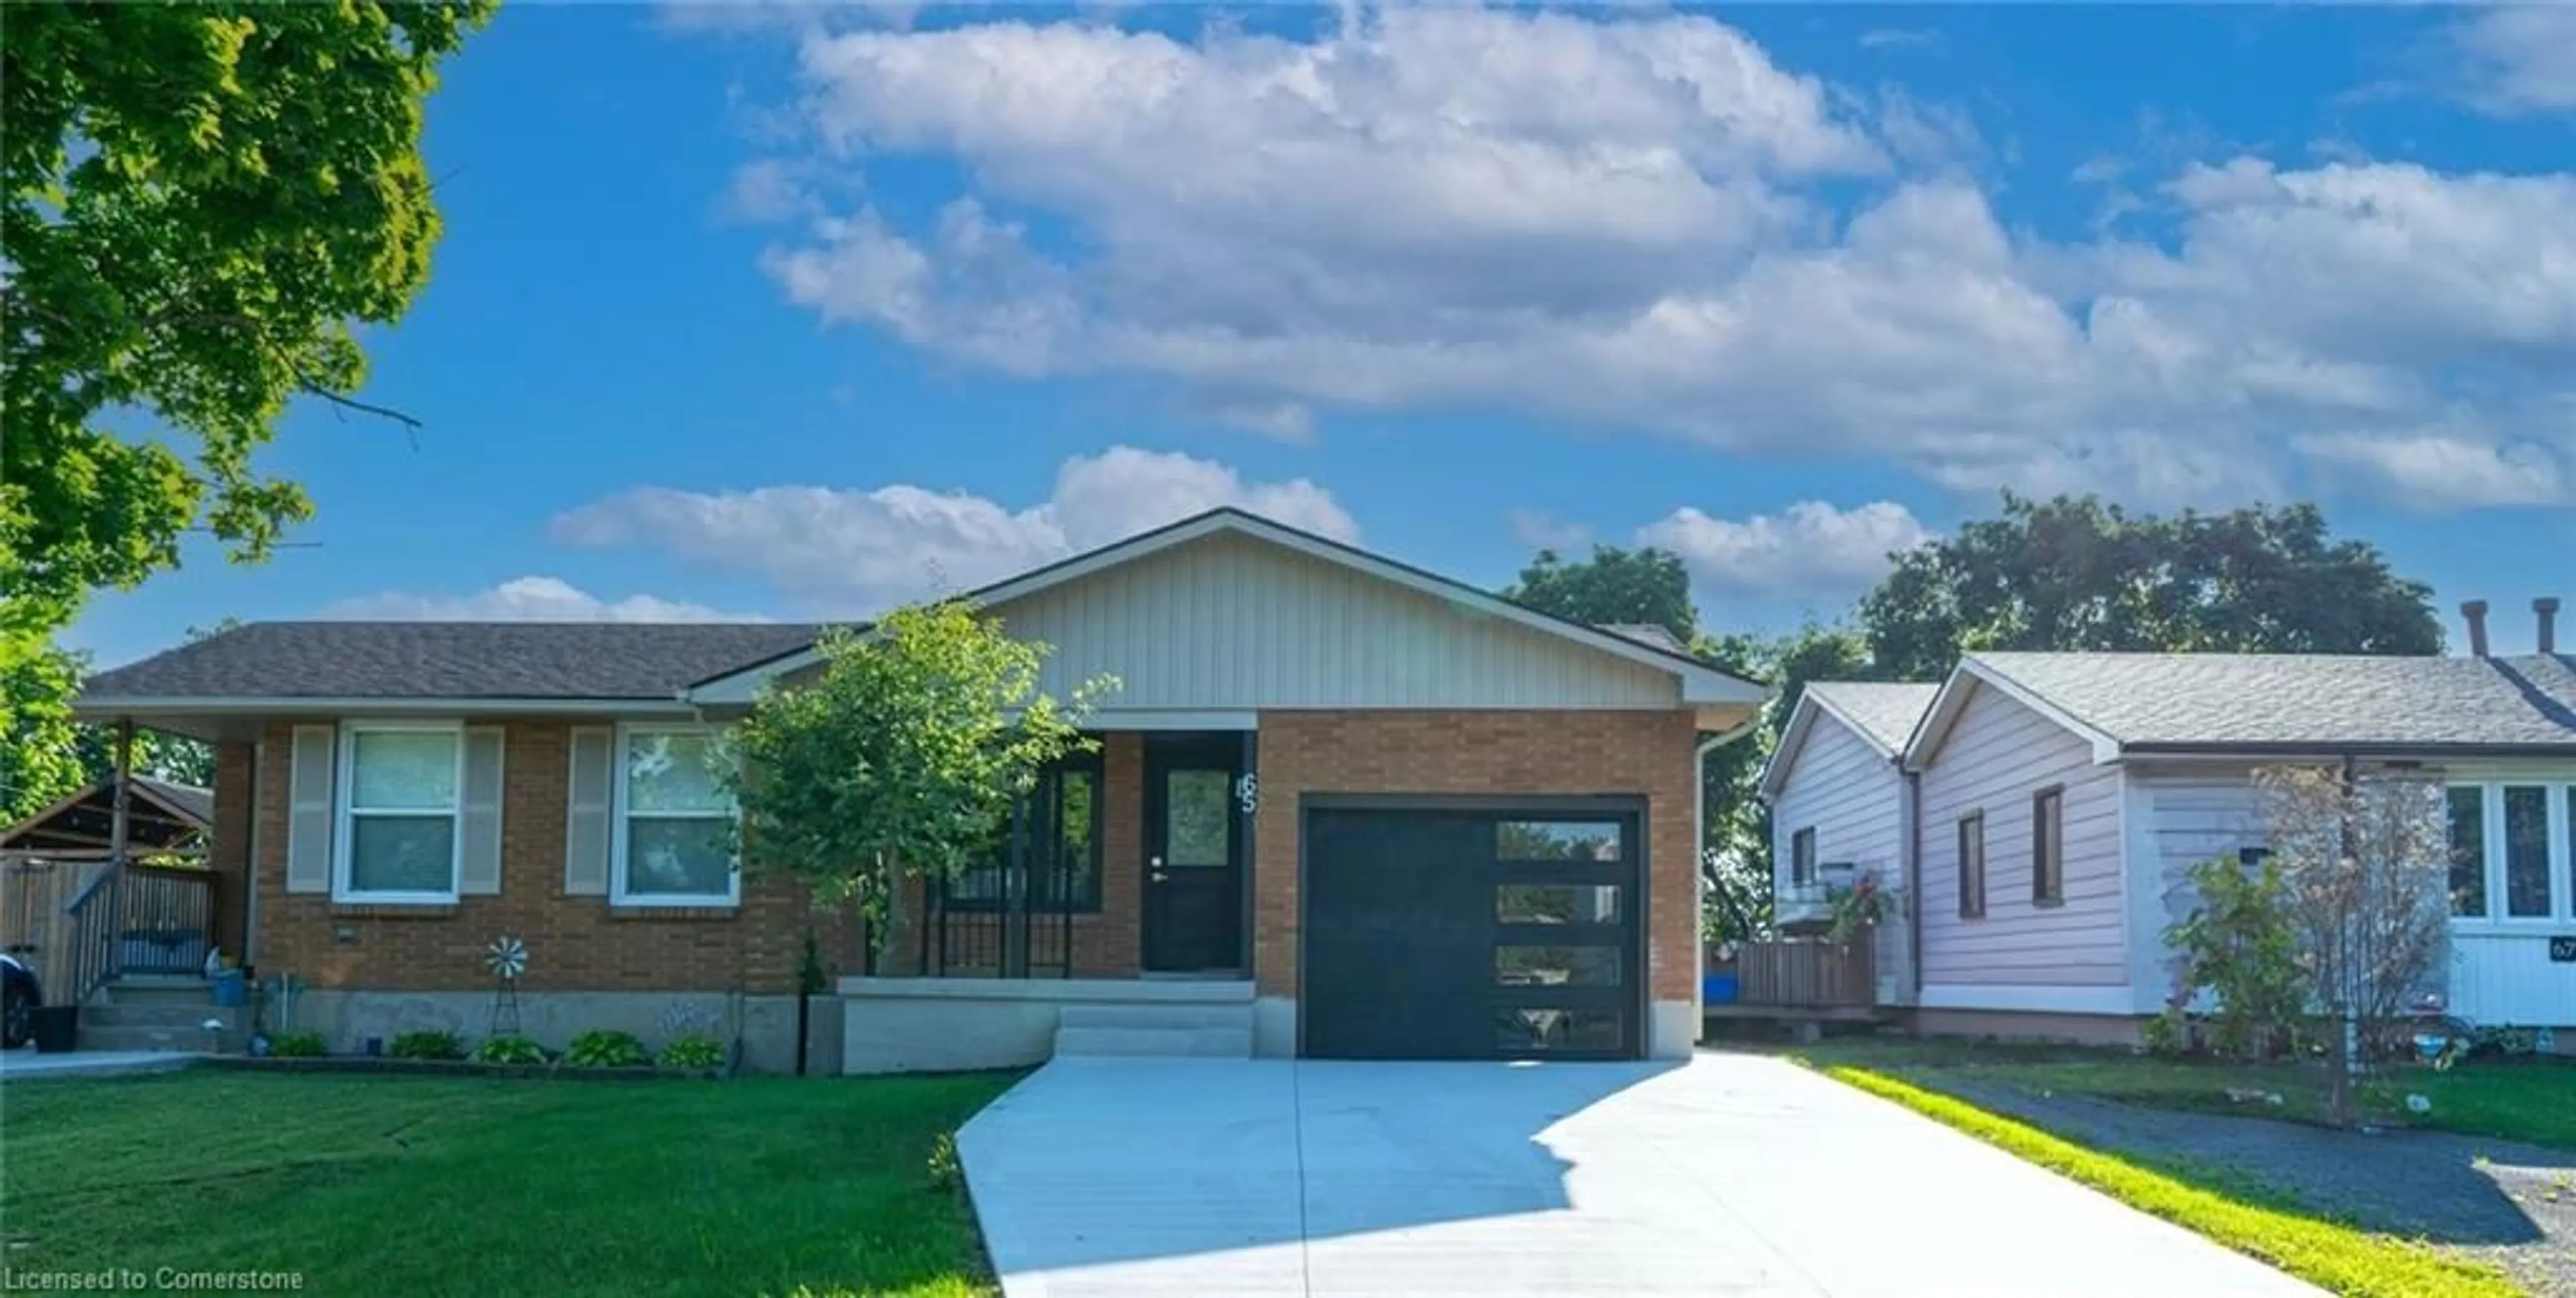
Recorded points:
507,958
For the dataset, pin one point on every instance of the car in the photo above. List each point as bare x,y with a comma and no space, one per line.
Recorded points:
20,995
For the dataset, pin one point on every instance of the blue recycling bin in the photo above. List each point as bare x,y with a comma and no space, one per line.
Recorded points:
231,989
1717,988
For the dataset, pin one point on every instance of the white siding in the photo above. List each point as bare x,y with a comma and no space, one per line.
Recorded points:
1998,753
1850,795
2508,978
1231,622
2498,972
2184,819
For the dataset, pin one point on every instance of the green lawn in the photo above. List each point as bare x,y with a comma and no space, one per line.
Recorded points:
2531,1099
424,1186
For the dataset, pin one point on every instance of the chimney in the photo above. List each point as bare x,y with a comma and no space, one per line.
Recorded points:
2476,612
2547,607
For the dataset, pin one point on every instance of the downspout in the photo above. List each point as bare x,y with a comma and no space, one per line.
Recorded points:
1909,804
1699,854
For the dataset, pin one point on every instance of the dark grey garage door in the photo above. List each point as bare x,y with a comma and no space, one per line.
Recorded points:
1453,933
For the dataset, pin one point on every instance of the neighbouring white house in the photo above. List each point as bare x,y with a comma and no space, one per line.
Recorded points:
2037,813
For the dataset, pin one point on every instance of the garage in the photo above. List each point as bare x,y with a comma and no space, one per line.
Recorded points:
1501,931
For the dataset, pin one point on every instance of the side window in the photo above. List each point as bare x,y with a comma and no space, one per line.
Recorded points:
1802,857
1972,865
2048,847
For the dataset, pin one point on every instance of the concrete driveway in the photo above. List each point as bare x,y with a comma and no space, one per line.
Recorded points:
1732,1174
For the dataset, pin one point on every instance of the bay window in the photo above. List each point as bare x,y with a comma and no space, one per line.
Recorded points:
674,819
400,786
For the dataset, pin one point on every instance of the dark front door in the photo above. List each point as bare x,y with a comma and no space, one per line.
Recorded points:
1470,932
1194,850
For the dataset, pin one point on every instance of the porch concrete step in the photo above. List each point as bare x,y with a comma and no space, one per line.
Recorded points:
1178,1017
1197,1043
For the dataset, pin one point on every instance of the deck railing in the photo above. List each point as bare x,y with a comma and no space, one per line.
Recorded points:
1807,974
138,919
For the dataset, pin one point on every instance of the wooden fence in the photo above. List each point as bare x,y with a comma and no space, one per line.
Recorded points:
1807,974
33,893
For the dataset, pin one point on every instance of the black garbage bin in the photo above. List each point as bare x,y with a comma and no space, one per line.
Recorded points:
56,1028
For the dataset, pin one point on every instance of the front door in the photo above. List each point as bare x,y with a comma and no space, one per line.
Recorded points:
1194,849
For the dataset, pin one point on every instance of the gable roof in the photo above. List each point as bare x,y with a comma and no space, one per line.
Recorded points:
2139,704
681,664
1700,683
443,660
1882,714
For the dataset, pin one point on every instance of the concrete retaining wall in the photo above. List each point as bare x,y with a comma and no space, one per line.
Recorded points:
920,1025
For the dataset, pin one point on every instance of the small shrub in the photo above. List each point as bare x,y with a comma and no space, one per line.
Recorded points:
604,1049
693,1051
426,1045
510,1050
946,1173
297,1045
2242,946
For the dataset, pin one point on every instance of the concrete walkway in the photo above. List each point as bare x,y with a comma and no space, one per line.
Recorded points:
1729,1175
25,1064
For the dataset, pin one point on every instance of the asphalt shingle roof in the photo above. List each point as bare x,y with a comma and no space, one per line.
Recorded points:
435,660
2279,700
1886,711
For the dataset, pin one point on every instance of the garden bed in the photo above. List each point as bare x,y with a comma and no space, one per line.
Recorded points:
460,1068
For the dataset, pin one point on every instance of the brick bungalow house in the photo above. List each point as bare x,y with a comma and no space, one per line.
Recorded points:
1340,807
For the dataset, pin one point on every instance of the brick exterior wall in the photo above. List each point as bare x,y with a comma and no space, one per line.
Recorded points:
228,847
582,943
575,943
1555,752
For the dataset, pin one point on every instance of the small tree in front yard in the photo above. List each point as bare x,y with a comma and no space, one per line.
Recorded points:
2367,861
901,758
2342,922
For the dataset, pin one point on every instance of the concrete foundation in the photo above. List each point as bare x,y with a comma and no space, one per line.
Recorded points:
762,1029
2010,1025
1274,1027
921,1025
1672,1029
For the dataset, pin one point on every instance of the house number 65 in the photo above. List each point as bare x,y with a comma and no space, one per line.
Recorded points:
1247,792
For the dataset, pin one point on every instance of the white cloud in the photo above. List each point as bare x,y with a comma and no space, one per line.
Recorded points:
1541,530
2518,59
2435,471
852,551
1624,222
526,599
1811,550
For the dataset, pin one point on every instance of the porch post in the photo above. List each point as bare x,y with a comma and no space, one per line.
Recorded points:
1015,893
117,832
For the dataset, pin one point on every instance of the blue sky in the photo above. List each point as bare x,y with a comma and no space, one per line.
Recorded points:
788,312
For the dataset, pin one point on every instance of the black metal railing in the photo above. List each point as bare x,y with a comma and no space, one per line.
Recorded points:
1012,916
139,919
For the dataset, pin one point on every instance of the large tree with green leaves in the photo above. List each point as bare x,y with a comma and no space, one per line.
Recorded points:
205,203
1643,587
45,755
2074,573
901,758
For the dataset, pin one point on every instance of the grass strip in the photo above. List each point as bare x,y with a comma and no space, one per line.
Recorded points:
2339,1259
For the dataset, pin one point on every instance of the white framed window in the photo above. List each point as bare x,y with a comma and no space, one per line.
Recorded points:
401,786
672,835
2513,851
